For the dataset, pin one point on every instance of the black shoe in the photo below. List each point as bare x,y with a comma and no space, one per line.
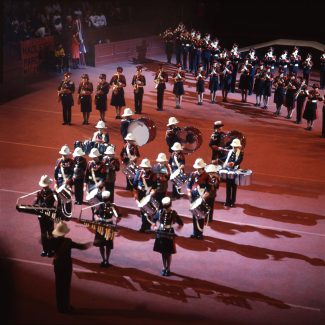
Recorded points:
84,122
69,123
192,236
200,237
232,205
142,230
167,273
163,272
103,264
64,123
43,254
226,204
106,264
50,254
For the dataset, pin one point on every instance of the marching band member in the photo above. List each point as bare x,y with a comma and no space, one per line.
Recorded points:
118,82
267,86
259,83
169,44
200,76
63,265
322,71
206,52
284,62
104,213
290,97
294,61
301,96
279,92
244,80
126,121
100,136
270,59
65,95
310,113
178,89
214,81
95,172
185,48
102,90
171,132
129,154
138,82
142,185
64,168
198,186
160,80
45,198
234,58
216,50
225,78
161,171
196,51
84,99
213,187
233,160
306,68
216,142
177,162
165,244
80,165
112,166
252,60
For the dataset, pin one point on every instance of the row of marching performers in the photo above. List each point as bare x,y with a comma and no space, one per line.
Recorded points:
192,49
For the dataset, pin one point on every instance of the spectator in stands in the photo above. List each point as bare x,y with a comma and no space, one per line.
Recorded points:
57,23
75,52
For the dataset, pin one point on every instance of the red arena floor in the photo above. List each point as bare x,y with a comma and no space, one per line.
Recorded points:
261,262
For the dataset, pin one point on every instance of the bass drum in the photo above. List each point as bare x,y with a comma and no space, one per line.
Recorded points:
143,129
231,135
190,138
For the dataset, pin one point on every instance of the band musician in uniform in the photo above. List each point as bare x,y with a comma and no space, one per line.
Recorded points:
46,198
112,166
100,136
142,186
200,78
213,185
234,158
216,142
126,121
165,238
65,95
177,162
198,186
129,155
160,80
105,214
178,89
118,82
138,82
84,99
171,132
102,90
80,165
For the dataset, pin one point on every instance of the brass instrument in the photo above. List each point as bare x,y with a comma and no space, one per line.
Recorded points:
136,84
299,89
117,84
157,80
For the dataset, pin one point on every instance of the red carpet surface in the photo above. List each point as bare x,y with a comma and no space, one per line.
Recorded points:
260,262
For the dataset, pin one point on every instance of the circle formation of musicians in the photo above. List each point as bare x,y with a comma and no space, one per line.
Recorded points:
93,182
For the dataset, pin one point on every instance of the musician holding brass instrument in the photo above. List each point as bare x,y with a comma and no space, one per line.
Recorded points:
95,172
177,163
105,214
80,165
200,78
178,89
118,82
310,113
198,191
259,83
283,62
102,90
214,81
142,187
233,160
129,156
290,97
234,58
162,172
301,95
294,61
138,82
252,60
268,82
165,234
322,71
213,185
244,80
270,59
225,75
306,68
161,77
112,166
65,95
85,91
280,91
63,173
216,142
46,198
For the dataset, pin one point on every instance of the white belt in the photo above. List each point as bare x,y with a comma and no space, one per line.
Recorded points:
296,64
165,227
314,101
285,66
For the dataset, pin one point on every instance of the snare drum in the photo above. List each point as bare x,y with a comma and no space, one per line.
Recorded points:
190,138
244,177
87,146
200,208
64,193
231,174
149,205
143,130
178,178
130,170
223,174
101,147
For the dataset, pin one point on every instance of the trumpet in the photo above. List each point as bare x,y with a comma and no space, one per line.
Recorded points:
157,80
117,84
